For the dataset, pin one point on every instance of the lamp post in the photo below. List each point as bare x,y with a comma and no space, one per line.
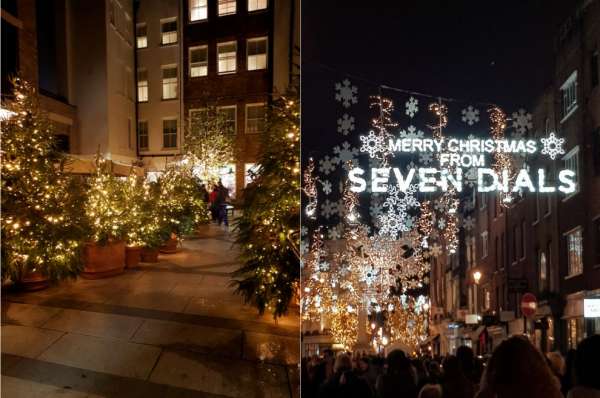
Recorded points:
476,278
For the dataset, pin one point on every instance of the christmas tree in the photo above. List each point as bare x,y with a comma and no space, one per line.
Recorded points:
267,232
41,204
142,226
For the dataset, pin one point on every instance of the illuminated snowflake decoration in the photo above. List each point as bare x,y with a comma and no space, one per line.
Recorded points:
376,208
329,209
436,250
346,154
303,231
397,197
346,93
327,165
326,187
412,106
426,158
471,177
522,121
335,232
372,144
411,132
411,165
553,146
469,223
441,224
345,124
392,223
470,115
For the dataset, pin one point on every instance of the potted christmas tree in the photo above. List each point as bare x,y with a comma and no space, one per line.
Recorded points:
150,234
135,191
105,209
41,204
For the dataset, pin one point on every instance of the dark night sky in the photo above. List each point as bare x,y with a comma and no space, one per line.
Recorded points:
490,51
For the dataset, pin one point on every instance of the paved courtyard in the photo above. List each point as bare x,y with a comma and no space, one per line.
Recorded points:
170,329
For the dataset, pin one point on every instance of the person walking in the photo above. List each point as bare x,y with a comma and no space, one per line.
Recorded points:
587,382
344,383
399,380
212,199
222,198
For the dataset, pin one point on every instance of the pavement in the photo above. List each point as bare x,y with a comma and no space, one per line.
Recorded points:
169,329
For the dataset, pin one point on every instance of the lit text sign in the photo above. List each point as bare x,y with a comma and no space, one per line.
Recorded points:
591,308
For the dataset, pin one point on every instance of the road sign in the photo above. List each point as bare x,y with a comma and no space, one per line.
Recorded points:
528,305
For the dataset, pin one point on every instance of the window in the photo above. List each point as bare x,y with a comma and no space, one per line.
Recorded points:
255,118
228,115
484,244
141,35
142,131
569,96
482,200
198,10
595,71
142,85
575,331
226,57
198,61
543,271
169,82
226,7
257,53
168,31
575,252
255,5
170,133
571,160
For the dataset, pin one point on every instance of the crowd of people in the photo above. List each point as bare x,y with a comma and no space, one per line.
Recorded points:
515,369
217,199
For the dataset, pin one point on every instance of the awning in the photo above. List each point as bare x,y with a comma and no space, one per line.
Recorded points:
75,165
574,306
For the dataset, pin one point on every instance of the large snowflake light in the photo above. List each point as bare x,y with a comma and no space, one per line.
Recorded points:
522,121
553,146
470,115
372,144
346,155
327,165
412,106
346,93
345,124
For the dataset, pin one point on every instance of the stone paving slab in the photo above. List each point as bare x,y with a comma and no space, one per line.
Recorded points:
157,300
14,387
27,341
271,349
232,378
95,324
103,355
27,314
91,382
190,337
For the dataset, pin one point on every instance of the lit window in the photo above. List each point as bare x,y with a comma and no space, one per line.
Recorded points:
255,5
198,10
226,56
569,96
543,269
571,162
141,35
575,252
142,85
169,82
227,115
199,61
170,133
226,7
168,30
257,53
255,118
143,134
484,244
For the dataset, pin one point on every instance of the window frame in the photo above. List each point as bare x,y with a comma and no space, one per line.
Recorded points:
235,114
164,21
568,109
139,135
484,244
162,81
137,85
567,235
199,7
574,152
266,7
219,14
145,37
190,66
250,105
172,118
266,54
223,44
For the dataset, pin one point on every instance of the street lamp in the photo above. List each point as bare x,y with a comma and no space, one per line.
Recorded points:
476,278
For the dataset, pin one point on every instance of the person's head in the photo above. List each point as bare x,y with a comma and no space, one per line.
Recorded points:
517,368
431,391
586,362
343,363
327,354
397,362
451,366
433,367
556,363
465,358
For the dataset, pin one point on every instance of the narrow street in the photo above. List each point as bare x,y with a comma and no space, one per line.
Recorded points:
169,329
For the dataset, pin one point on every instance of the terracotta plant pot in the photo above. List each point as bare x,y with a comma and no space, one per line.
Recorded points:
149,255
34,281
102,261
133,255
170,246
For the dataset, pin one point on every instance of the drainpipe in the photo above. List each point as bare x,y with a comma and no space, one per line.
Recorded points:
136,5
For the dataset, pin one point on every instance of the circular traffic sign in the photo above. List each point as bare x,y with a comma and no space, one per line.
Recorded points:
528,305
